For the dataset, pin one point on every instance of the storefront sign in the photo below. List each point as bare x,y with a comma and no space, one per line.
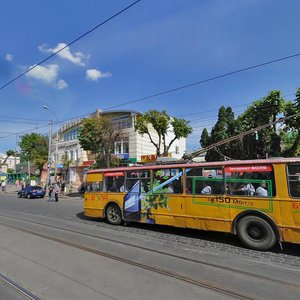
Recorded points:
148,158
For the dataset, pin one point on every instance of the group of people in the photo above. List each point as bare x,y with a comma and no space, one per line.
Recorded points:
55,189
250,190
247,189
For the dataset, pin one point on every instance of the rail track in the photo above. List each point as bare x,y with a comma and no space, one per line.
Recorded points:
17,288
162,271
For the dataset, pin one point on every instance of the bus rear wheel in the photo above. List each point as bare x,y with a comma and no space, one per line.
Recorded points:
113,214
256,233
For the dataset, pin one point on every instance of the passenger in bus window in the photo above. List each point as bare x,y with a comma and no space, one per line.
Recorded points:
113,187
170,189
188,188
206,190
120,185
261,190
247,189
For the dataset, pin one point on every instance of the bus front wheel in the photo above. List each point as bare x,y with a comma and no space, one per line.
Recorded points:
113,214
256,233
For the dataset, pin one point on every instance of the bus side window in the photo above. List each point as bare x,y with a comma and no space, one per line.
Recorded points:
172,176
205,181
293,171
250,181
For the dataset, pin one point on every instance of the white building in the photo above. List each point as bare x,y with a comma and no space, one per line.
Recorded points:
132,148
10,162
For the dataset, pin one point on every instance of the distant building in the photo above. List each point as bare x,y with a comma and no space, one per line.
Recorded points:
10,162
132,148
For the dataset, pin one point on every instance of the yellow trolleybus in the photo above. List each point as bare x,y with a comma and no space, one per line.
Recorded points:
258,200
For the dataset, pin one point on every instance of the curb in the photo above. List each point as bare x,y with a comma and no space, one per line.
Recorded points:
46,196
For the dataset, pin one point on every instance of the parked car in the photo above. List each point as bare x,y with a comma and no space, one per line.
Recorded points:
31,191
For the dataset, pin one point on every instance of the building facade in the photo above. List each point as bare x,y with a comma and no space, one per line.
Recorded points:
132,148
10,162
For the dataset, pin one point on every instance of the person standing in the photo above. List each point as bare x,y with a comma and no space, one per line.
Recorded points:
51,189
56,192
3,185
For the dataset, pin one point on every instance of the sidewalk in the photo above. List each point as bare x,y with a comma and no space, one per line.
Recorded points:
12,189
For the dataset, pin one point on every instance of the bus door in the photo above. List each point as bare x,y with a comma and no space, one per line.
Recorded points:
137,186
164,203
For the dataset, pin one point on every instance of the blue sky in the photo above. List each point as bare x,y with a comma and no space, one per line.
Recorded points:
155,46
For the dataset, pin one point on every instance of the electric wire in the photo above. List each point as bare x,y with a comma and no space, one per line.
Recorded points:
70,43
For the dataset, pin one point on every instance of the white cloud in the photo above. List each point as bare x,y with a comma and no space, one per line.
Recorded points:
76,58
9,57
47,74
94,75
61,84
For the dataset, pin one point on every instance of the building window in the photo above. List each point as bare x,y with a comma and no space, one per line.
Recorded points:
71,134
122,122
122,146
71,155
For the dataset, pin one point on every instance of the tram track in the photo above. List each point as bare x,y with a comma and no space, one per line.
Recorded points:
168,273
200,262
17,288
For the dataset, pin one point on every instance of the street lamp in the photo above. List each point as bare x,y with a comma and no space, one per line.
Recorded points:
50,141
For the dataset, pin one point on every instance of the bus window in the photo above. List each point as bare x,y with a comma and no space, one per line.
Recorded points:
293,171
94,186
114,182
169,181
204,181
132,177
246,180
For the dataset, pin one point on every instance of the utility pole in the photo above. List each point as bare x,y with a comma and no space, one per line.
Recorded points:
49,155
16,154
50,142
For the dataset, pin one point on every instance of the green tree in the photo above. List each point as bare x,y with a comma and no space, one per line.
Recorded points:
292,129
34,148
225,127
99,135
267,141
66,162
161,122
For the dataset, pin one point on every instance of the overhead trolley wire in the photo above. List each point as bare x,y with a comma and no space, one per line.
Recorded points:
206,80
70,43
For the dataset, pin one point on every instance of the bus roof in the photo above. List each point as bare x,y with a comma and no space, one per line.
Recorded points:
202,164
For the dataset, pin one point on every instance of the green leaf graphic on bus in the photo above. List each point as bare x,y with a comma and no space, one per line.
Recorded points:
152,202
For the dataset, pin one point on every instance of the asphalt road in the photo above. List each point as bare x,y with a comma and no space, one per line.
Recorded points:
54,252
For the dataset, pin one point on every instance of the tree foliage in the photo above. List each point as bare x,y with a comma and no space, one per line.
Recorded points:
161,122
267,142
99,135
225,127
34,148
292,127
66,162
